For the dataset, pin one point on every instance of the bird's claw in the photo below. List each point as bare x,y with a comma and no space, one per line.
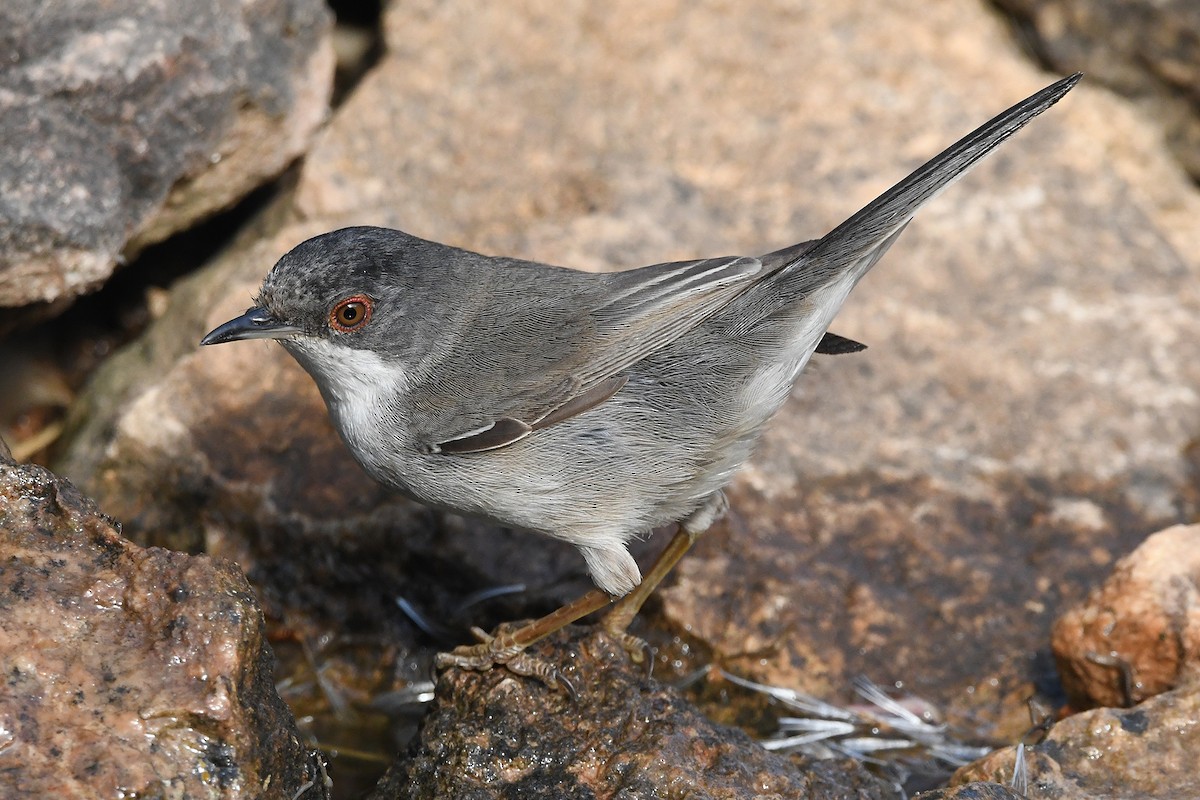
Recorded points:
634,646
500,650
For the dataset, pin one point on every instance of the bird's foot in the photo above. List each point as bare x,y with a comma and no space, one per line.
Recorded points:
634,646
502,649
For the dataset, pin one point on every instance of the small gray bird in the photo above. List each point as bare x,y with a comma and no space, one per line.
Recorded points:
588,407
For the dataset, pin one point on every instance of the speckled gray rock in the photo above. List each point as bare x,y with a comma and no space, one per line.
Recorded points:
123,122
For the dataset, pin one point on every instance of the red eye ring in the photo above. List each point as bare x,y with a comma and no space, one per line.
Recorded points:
351,313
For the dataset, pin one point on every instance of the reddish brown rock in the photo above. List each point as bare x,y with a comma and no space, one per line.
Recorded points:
904,582
130,672
1139,633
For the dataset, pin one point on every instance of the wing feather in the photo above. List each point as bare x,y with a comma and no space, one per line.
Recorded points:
636,313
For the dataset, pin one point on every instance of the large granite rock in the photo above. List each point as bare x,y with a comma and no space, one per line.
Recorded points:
919,512
1014,315
131,672
121,123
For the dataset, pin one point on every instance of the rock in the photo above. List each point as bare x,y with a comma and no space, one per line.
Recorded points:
122,123
1143,753
623,735
1147,50
1139,633
972,791
918,513
905,581
130,672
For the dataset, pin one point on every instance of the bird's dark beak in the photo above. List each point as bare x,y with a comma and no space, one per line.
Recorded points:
256,323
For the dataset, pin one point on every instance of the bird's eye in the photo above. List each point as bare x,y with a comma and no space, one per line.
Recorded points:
350,314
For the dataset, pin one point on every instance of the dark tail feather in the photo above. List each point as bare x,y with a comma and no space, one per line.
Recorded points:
855,239
833,345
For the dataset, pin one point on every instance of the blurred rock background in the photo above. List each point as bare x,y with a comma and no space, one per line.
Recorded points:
919,514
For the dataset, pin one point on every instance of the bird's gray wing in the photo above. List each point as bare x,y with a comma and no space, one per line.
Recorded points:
634,314
631,315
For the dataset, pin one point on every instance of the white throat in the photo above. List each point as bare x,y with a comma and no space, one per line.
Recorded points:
360,388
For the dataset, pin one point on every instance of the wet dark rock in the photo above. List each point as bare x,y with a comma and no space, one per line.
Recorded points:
972,791
1147,50
1139,633
124,122
493,735
1149,751
130,671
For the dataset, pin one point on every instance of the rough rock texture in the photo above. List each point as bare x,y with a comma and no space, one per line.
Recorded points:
900,580
919,512
1139,633
130,672
1148,50
623,735
121,123
1146,752
972,791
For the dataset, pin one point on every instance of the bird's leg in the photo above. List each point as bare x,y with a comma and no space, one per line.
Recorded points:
616,622
507,647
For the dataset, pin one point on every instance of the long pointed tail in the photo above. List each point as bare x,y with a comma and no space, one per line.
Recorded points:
861,239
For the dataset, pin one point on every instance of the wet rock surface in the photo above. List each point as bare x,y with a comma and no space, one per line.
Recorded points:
1138,634
125,122
972,791
912,585
130,671
622,735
